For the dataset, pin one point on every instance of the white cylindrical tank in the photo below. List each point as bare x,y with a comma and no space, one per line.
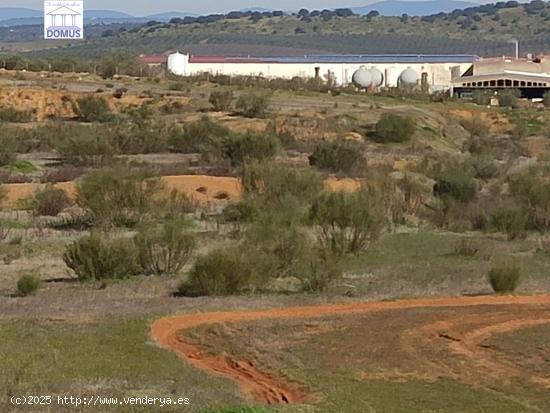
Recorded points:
409,77
177,63
377,78
362,78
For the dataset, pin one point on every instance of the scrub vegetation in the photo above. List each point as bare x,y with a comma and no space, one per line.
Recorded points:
125,200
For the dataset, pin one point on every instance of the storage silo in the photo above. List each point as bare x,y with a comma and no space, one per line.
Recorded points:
362,78
409,77
377,78
177,63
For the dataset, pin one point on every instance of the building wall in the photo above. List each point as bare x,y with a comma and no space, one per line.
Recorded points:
438,74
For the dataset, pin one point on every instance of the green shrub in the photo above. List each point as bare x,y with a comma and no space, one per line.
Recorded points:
253,105
465,248
28,284
8,148
118,196
511,221
276,185
322,271
221,100
484,166
481,97
220,272
276,248
455,181
10,114
394,128
134,135
50,201
241,148
508,98
531,189
86,146
347,222
202,136
165,249
94,257
91,108
505,278
337,156
475,126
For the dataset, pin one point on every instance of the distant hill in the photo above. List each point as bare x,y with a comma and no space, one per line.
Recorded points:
413,8
12,16
9,13
169,16
106,14
256,9
485,30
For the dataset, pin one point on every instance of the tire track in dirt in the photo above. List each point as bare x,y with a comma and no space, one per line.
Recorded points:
468,342
269,387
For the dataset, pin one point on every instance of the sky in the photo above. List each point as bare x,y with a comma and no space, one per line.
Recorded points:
145,7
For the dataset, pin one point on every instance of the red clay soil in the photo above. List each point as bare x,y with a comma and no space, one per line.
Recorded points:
272,389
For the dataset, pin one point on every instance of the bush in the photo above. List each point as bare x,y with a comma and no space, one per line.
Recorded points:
511,221
50,201
28,284
276,248
481,98
118,197
475,126
394,128
220,272
221,101
91,108
10,114
253,105
165,250
347,222
322,271
484,166
86,146
457,183
276,185
505,278
466,248
8,148
94,257
508,98
202,136
531,189
342,156
241,148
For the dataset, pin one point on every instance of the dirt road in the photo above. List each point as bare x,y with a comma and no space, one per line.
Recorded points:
272,389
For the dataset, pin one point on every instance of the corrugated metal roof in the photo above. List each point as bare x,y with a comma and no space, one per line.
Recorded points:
358,59
327,59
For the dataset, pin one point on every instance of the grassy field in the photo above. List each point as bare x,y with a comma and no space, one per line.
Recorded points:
85,334
390,361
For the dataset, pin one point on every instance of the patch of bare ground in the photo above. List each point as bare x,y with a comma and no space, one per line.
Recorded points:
427,333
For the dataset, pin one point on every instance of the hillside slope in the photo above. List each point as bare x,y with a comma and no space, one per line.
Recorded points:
485,30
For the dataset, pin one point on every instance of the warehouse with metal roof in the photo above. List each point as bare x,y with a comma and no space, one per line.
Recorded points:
434,72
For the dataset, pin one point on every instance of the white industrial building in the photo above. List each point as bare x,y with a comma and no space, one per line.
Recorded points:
436,72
